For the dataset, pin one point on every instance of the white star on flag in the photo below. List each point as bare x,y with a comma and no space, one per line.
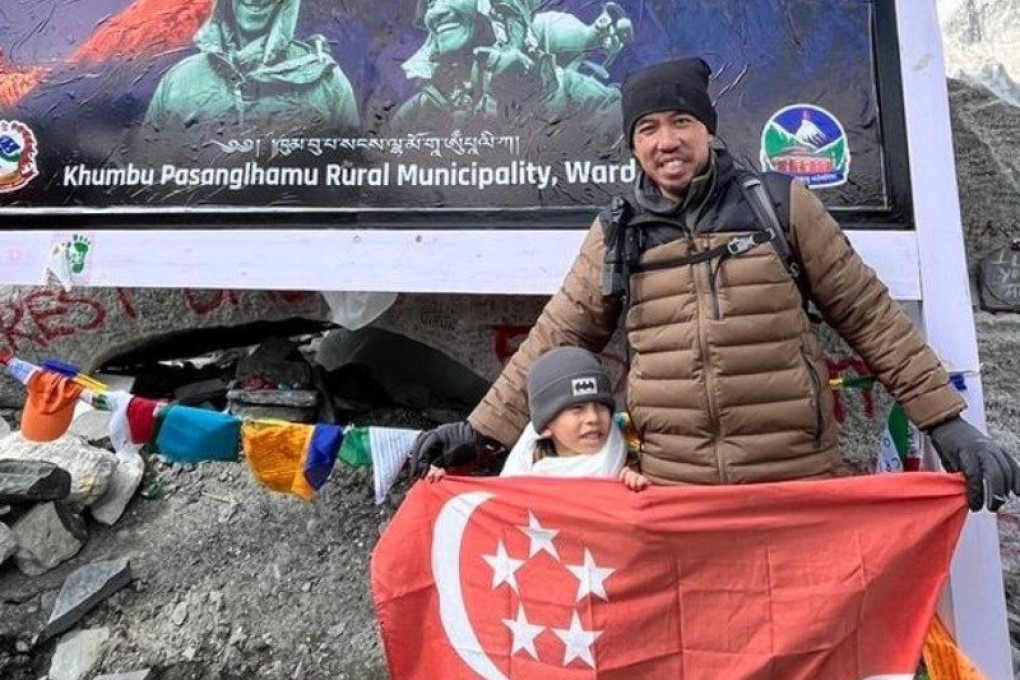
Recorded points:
578,641
590,577
541,538
503,568
524,633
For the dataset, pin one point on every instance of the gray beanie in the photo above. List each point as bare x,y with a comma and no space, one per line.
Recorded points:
564,376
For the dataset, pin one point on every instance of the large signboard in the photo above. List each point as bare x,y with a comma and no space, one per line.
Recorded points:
409,112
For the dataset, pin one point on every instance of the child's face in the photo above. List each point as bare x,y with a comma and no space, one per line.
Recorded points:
580,428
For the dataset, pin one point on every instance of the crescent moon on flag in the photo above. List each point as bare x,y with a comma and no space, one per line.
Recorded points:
447,537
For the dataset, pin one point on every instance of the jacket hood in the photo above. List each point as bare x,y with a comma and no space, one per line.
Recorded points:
271,57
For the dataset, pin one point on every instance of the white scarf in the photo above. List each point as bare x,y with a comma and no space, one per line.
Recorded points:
607,462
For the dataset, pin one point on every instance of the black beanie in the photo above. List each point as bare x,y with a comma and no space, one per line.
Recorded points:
564,376
679,85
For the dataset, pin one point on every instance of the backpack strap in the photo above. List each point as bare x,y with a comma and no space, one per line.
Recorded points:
760,201
623,249
620,248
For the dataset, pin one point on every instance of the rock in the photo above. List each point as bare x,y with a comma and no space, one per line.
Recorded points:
227,513
8,543
47,535
92,425
133,675
179,614
277,361
123,484
5,429
33,481
999,279
91,468
293,398
78,654
300,406
85,588
195,393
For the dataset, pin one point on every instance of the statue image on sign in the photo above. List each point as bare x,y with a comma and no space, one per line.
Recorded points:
498,65
251,73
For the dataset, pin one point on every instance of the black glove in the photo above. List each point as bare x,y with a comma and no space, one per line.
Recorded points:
449,445
990,472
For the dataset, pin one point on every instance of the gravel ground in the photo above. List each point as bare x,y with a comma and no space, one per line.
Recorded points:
231,581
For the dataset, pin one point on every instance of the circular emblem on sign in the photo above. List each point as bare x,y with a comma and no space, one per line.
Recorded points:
807,142
17,155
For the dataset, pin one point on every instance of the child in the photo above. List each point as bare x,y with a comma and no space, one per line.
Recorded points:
571,433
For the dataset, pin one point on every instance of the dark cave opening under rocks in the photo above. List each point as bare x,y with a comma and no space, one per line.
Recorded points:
303,371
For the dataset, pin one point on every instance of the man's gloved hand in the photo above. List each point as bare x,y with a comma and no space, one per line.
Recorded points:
990,472
449,445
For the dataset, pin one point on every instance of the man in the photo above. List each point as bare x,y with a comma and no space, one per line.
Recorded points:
483,67
252,74
726,384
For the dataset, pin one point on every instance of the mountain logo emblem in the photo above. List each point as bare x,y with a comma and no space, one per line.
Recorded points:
581,387
806,142
17,155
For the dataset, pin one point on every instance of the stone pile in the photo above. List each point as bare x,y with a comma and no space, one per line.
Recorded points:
47,492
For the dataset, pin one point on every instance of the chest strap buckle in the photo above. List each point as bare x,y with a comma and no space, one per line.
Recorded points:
741,244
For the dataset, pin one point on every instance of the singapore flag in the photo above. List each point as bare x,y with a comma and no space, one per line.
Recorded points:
488,578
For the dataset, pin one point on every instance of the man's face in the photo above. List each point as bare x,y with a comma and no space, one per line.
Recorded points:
253,17
451,23
672,148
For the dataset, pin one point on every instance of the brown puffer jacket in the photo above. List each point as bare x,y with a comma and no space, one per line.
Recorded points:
727,383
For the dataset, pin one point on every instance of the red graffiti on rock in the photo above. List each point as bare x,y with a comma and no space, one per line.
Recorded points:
44,316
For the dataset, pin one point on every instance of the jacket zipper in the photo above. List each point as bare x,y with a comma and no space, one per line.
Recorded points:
816,392
713,414
716,310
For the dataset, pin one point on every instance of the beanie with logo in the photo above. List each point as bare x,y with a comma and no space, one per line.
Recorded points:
565,376
678,85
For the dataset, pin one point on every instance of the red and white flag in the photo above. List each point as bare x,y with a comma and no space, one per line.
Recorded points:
580,579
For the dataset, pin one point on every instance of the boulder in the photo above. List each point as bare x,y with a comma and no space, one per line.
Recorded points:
32,481
47,535
90,468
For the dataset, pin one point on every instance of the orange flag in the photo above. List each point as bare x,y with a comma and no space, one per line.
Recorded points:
580,579
944,660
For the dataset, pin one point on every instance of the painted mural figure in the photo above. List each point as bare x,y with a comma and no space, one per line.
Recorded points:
487,62
252,73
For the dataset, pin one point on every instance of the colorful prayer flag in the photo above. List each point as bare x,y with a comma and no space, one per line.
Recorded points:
49,407
191,435
944,660
386,449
